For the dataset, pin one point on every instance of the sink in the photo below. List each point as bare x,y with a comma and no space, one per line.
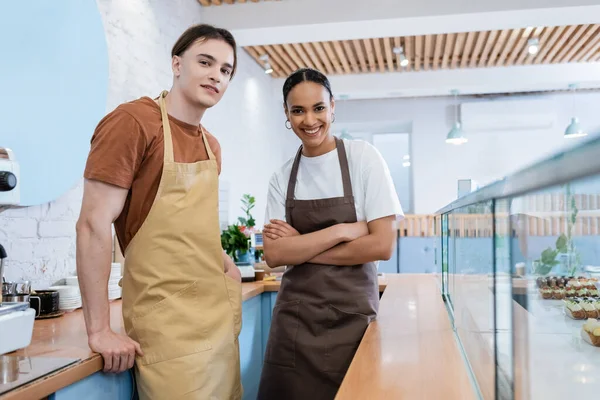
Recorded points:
7,307
16,326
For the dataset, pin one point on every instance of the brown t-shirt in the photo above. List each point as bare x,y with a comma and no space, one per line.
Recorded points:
127,150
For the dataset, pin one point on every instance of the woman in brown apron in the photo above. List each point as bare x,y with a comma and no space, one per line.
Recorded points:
322,310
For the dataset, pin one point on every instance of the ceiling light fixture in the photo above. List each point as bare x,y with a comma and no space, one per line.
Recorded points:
456,136
399,51
266,65
574,130
533,46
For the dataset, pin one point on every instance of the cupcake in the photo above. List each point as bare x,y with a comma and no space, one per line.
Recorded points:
589,307
546,293
574,309
570,292
592,329
593,292
583,292
558,293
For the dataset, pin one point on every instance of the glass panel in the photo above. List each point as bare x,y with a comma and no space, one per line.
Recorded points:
504,277
473,297
557,240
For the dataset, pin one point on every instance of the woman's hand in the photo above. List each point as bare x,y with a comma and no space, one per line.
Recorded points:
278,229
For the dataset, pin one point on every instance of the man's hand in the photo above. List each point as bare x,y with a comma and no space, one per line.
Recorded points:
230,268
118,351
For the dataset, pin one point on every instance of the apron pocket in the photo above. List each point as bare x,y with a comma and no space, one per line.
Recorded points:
344,333
172,328
234,290
281,346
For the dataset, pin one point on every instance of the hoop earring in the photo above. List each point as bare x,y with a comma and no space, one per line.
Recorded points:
286,124
332,118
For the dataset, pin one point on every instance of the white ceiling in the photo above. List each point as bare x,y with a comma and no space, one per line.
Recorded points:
295,21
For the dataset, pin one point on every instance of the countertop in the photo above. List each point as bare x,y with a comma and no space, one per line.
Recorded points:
412,340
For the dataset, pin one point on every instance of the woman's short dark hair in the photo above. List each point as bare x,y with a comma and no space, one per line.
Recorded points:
303,75
204,32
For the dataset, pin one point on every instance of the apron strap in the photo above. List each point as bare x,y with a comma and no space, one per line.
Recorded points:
341,149
168,140
293,175
211,155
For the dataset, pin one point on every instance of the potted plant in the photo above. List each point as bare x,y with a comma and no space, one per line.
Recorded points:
247,223
235,243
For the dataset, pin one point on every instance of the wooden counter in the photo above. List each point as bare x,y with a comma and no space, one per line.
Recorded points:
410,344
410,352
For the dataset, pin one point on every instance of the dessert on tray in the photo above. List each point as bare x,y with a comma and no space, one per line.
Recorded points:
590,332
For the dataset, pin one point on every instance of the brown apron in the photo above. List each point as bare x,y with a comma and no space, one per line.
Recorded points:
177,301
322,311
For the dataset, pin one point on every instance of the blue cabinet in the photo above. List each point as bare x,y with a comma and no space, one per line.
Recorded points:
256,321
99,386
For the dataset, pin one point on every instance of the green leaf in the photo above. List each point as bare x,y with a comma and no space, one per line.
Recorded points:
561,243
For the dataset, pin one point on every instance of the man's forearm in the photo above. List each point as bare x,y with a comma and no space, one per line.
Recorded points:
298,249
94,249
362,250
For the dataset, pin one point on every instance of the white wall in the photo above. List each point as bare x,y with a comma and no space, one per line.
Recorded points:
40,240
437,166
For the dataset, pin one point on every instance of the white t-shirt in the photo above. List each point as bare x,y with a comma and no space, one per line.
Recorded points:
321,177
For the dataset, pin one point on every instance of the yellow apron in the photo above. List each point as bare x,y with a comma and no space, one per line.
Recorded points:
177,301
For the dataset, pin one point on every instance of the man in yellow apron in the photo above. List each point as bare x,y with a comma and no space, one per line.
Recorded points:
153,171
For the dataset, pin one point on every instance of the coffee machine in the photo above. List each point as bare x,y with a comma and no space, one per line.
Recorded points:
9,178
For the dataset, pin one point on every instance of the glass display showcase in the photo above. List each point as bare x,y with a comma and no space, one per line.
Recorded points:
519,267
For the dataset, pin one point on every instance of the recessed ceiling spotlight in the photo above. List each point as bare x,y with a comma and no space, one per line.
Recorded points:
533,46
399,51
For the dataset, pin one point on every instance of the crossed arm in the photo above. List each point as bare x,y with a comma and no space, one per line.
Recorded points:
342,244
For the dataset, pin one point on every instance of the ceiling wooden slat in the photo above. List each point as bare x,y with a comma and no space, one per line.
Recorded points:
448,49
294,56
335,62
500,43
350,55
548,44
524,52
467,49
498,48
342,57
481,37
216,2
548,32
591,30
285,57
458,49
439,42
520,46
302,54
205,3
379,54
326,62
588,50
278,69
285,67
389,56
410,54
370,54
489,44
508,47
560,44
418,52
229,1
359,53
313,56
428,53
